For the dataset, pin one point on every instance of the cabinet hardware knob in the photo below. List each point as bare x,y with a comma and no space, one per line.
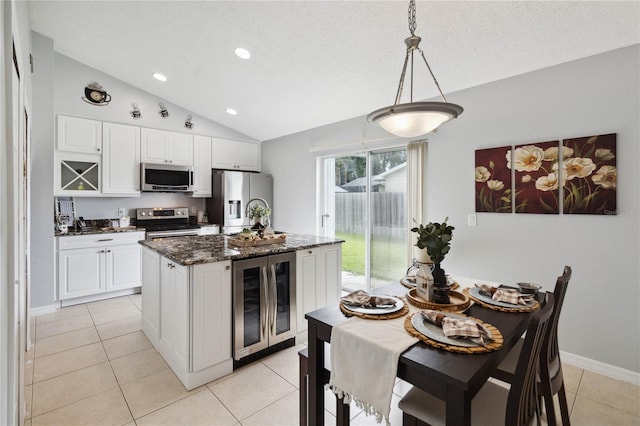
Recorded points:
310,251
98,149
227,267
108,251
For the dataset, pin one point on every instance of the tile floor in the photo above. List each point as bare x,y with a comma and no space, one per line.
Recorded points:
92,365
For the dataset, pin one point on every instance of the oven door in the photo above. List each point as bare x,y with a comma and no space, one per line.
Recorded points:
172,233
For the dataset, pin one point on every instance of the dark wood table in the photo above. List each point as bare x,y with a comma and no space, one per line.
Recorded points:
455,378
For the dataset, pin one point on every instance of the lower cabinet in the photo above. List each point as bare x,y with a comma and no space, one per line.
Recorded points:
319,281
186,314
91,267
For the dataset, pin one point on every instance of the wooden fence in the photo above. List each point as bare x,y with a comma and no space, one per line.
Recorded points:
388,213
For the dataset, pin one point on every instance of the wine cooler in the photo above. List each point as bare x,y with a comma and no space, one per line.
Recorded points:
264,303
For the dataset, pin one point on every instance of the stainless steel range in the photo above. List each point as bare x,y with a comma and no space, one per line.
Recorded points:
161,222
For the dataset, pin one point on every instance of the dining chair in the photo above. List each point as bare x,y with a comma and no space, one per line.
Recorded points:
342,409
550,379
493,404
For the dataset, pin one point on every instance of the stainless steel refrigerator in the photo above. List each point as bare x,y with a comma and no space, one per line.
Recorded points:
231,192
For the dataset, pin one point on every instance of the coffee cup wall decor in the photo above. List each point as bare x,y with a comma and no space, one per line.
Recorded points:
94,94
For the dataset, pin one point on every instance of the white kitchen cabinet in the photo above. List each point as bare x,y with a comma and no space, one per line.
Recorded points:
81,272
77,175
151,295
202,166
174,314
95,266
120,160
318,280
235,155
211,314
191,327
159,146
79,135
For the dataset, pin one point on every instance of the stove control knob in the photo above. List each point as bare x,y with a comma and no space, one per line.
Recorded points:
143,214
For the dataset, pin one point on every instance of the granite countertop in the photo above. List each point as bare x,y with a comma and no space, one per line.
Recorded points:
196,250
92,231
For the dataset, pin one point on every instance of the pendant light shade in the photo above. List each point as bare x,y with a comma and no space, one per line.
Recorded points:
413,119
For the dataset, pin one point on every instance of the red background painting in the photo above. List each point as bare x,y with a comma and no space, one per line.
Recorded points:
495,162
528,197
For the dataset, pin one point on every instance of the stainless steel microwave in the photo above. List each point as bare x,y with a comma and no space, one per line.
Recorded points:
166,178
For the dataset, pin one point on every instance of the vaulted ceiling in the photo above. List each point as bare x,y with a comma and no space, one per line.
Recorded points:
318,62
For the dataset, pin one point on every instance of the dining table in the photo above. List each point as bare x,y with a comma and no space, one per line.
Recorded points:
453,377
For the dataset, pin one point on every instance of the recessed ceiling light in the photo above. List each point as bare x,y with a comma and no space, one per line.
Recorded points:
159,76
242,53
232,111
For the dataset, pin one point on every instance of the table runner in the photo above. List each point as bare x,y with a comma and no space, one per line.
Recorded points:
364,362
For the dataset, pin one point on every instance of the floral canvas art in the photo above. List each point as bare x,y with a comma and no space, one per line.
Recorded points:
493,180
589,175
536,177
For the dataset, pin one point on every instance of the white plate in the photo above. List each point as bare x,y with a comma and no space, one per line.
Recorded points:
434,331
475,292
377,311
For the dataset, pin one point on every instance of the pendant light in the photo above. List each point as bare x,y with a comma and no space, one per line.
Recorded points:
414,118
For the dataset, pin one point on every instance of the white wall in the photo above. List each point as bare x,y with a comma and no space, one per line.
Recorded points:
59,83
595,95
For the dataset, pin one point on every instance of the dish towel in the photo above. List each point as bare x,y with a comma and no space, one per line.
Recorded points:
364,362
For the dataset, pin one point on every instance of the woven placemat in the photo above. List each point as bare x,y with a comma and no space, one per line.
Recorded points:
490,347
484,304
392,315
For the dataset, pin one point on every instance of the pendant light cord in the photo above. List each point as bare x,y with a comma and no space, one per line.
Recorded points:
412,43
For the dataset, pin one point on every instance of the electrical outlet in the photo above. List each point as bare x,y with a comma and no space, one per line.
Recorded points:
121,211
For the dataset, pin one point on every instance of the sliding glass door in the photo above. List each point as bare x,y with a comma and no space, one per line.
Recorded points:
364,203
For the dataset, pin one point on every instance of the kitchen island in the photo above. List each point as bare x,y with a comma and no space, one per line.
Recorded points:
187,296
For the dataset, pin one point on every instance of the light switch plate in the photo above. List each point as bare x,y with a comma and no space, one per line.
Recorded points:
121,211
472,220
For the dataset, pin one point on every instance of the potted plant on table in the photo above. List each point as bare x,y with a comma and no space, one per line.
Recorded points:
256,213
436,239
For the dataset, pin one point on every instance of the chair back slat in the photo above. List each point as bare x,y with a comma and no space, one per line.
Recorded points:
521,399
551,352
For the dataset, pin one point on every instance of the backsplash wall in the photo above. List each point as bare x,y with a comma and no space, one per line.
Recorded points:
107,208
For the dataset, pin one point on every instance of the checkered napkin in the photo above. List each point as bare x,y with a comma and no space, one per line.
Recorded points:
456,328
361,298
511,296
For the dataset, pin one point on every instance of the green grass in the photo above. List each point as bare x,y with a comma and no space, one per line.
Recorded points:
388,257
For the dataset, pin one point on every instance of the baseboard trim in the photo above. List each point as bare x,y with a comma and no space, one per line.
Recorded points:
598,367
41,310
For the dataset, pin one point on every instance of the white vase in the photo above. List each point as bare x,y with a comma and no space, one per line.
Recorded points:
421,255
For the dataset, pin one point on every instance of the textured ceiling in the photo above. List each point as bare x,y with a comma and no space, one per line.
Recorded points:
319,62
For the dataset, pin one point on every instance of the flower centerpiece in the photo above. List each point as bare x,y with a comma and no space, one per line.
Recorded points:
256,213
436,239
